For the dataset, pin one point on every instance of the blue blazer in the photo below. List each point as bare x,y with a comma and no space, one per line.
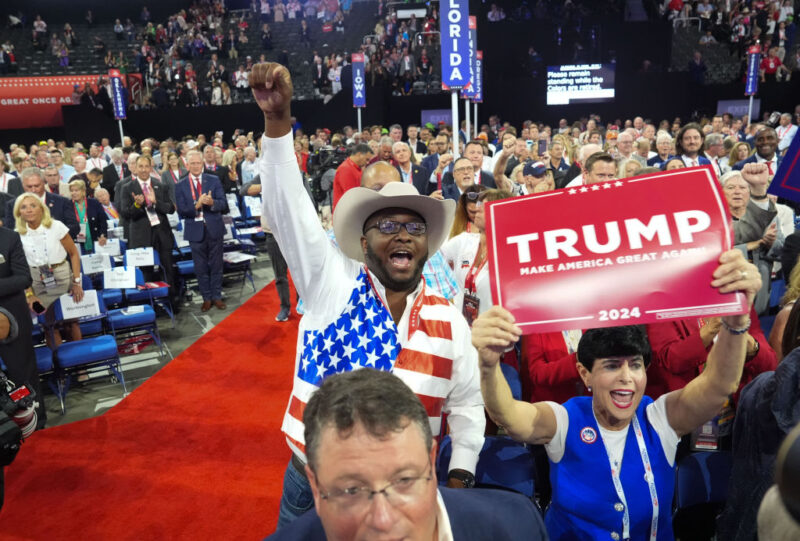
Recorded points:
61,209
420,178
752,159
475,515
450,191
193,231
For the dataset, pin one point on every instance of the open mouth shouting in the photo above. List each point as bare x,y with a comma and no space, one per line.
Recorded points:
401,259
622,398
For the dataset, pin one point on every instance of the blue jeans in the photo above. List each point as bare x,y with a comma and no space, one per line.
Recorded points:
296,498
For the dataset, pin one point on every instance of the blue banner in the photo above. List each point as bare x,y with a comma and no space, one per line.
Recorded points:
454,33
359,87
786,182
478,96
473,45
118,95
753,63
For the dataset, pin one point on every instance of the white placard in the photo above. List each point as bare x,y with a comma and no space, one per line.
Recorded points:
173,220
94,263
88,306
233,205
237,257
250,230
253,204
140,257
136,309
119,278
111,247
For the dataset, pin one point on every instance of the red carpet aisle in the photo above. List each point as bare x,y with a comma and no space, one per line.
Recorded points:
194,453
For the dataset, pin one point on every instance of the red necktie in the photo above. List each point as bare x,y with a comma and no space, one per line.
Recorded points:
199,186
769,168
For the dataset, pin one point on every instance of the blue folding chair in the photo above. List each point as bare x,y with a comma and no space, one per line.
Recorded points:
133,321
158,295
89,354
701,489
503,463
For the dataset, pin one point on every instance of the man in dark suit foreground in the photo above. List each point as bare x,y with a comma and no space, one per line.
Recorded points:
371,458
200,201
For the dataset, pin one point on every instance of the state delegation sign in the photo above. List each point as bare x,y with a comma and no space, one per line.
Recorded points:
622,252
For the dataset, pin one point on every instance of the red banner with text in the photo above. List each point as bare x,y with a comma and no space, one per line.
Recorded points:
35,102
623,252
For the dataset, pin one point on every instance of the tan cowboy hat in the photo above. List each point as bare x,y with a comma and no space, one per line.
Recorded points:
358,204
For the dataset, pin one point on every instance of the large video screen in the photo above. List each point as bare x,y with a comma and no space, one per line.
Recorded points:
580,83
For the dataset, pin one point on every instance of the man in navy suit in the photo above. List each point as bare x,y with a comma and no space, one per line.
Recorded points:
200,201
371,466
411,173
440,144
61,208
766,142
474,153
689,145
463,176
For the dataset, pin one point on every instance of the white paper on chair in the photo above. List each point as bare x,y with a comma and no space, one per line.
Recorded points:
140,257
111,247
237,257
233,205
88,306
119,278
253,204
132,310
179,240
95,263
250,230
228,232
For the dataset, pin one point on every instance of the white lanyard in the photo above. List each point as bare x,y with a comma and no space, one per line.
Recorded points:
4,178
651,484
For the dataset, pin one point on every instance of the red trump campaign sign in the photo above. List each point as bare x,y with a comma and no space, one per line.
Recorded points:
35,102
622,252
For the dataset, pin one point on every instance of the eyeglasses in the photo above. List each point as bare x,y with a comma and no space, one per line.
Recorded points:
400,492
472,196
463,169
389,227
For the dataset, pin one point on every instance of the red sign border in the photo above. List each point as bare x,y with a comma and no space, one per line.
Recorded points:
710,177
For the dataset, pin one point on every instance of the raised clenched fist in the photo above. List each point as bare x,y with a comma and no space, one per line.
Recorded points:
272,88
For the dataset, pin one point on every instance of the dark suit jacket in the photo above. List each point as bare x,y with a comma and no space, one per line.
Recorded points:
419,178
475,515
752,159
140,234
430,161
110,177
15,275
98,222
61,209
14,187
450,191
117,198
487,179
221,172
573,171
168,181
420,148
194,231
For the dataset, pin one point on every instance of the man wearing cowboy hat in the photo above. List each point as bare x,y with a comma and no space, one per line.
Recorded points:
366,303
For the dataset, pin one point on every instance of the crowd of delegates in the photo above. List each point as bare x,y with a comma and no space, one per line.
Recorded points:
373,302
391,178
769,24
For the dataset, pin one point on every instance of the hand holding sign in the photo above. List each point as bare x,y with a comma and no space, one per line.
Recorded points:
492,334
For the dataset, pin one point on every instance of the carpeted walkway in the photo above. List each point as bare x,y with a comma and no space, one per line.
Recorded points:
194,453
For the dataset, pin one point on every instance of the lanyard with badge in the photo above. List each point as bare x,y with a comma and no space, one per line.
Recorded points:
152,215
472,303
80,215
46,274
651,485
195,196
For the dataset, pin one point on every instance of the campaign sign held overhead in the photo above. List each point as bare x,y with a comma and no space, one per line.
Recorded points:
469,92
623,252
359,87
753,64
786,182
454,29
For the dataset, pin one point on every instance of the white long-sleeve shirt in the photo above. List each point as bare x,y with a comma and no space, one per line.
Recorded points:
341,307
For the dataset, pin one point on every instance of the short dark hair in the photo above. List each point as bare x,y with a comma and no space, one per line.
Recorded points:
361,148
613,342
378,400
473,142
597,157
682,132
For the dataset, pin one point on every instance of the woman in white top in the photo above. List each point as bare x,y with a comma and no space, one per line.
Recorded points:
47,244
466,254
